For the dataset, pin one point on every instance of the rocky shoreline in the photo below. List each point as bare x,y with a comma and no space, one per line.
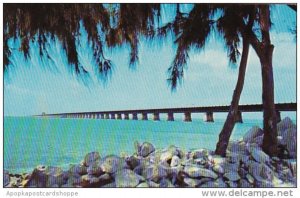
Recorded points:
245,165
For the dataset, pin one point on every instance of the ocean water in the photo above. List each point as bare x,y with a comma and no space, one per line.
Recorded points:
30,141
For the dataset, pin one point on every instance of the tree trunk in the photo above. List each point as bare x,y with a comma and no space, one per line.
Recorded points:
270,118
230,120
265,54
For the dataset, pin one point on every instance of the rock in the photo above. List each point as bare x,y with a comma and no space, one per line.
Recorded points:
201,153
126,179
154,172
258,140
260,172
264,184
6,178
94,169
110,185
54,175
284,124
232,184
218,169
112,163
192,182
175,161
91,158
165,183
232,176
166,157
292,164
219,183
152,184
289,139
244,184
43,176
194,171
143,185
233,157
145,149
89,181
252,134
236,147
133,161
78,169
105,177
229,167
260,156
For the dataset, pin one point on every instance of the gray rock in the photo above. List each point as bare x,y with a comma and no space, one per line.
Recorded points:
105,177
244,184
218,169
219,183
43,176
112,163
236,147
126,179
192,182
201,153
145,149
152,184
6,178
175,161
292,164
165,183
264,184
94,169
154,172
232,176
91,158
143,185
110,185
232,184
78,169
88,180
289,137
252,134
194,171
260,171
284,124
260,156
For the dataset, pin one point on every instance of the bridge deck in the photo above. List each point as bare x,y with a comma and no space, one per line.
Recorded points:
243,108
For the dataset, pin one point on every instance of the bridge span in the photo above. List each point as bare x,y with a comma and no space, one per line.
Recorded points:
187,111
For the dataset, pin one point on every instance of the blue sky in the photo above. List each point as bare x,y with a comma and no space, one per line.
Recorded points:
33,87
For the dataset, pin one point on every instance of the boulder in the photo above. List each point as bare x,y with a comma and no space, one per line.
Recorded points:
219,183
252,134
154,172
232,176
195,171
165,183
43,176
244,184
145,149
126,179
218,169
112,163
94,169
143,185
152,184
284,124
89,181
91,158
6,178
260,172
175,161
236,147
289,139
191,182
260,156
201,153
77,169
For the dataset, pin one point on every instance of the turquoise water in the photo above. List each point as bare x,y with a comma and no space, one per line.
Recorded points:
30,141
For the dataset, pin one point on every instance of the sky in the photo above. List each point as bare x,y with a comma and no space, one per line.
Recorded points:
35,86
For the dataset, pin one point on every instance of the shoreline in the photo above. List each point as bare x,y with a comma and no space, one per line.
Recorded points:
245,165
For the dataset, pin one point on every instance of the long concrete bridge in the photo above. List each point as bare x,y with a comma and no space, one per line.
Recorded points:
187,111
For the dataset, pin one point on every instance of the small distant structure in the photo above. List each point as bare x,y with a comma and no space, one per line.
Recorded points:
43,113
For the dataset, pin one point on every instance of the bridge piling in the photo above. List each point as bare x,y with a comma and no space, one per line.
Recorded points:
156,116
170,116
126,116
144,116
119,116
187,117
209,117
134,116
112,116
107,116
